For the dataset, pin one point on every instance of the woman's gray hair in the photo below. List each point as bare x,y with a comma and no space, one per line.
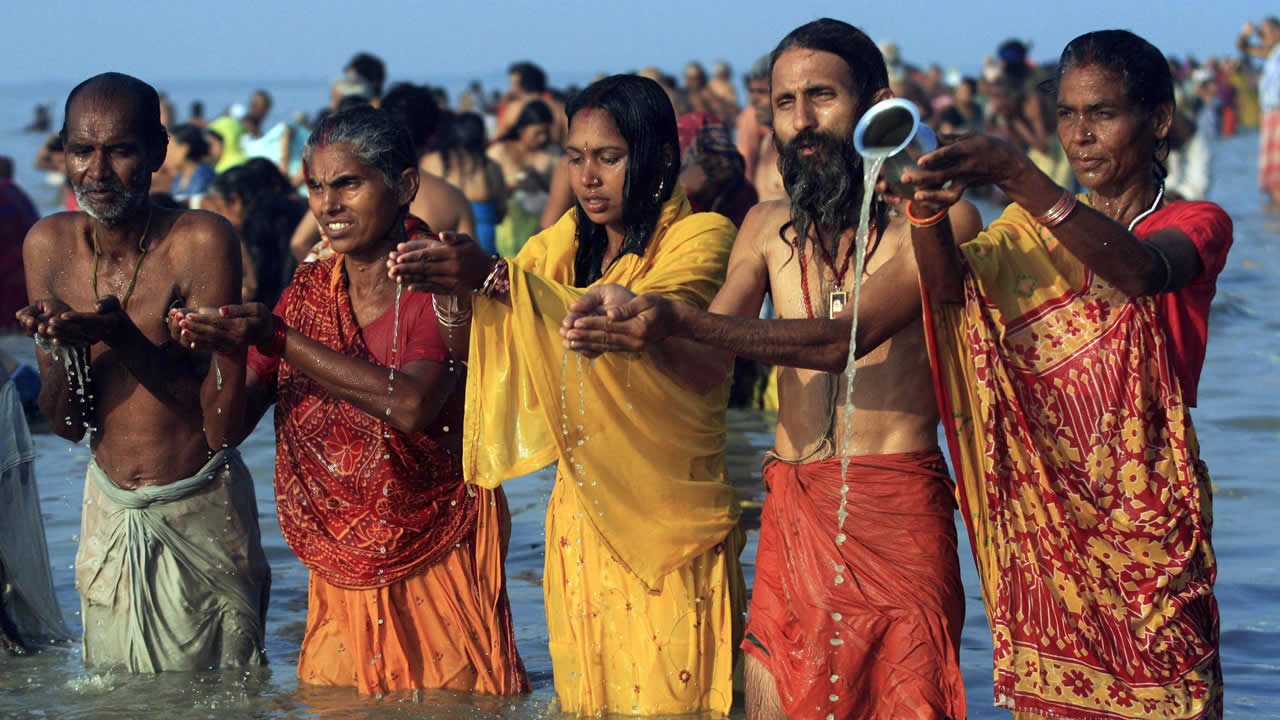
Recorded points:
376,140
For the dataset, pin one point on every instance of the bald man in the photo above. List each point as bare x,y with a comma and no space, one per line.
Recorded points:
170,568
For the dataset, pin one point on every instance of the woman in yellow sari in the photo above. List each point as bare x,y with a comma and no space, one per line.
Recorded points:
1067,341
644,593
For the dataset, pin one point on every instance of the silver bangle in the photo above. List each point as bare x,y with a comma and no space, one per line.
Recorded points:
450,317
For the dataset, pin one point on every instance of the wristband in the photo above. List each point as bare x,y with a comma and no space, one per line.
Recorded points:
925,222
1060,211
450,317
497,282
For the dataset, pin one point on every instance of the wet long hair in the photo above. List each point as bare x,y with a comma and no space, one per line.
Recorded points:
646,120
1148,82
869,76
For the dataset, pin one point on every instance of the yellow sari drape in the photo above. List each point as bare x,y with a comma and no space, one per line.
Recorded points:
1079,479
645,454
644,592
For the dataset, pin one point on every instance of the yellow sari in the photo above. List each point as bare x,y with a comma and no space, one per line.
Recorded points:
1079,478
643,588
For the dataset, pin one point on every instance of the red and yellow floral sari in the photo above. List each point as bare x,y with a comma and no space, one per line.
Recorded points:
1079,478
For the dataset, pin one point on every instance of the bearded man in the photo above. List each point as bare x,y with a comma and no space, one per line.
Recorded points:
857,604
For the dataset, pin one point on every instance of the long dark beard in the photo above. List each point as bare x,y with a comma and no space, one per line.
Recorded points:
825,187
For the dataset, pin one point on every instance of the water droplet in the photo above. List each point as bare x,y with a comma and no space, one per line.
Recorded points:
835,678
837,617
836,641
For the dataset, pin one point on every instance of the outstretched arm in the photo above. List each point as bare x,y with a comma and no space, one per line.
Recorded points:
611,318
890,302
409,401
1164,262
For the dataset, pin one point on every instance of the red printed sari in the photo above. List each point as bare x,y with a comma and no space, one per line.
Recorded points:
1079,478
361,503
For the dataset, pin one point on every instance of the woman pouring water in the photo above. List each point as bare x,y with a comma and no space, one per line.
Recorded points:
407,587
1068,339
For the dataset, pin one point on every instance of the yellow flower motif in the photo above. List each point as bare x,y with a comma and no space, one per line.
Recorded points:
1134,437
1133,477
1101,463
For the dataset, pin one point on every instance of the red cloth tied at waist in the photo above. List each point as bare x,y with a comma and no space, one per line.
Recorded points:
885,641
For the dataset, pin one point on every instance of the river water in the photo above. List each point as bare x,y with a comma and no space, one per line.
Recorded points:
1238,422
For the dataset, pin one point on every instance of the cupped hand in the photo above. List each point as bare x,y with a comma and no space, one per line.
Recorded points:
34,318
597,301
82,329
452,265
225,329
633,326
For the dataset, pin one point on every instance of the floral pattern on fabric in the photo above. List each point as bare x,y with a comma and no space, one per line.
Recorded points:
1080,481
361,503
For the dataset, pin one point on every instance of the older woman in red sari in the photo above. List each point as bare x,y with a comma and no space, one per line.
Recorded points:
407,585
1067,342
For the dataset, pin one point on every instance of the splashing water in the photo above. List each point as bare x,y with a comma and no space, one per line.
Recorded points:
217,372
581,435
395,347
395,335
870,171
75,363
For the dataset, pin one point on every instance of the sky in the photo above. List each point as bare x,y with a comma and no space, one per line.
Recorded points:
177,41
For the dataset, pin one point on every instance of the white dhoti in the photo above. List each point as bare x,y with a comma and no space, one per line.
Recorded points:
173,577
28,608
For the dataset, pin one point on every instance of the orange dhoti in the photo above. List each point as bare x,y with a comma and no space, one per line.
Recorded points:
884,641
447,627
